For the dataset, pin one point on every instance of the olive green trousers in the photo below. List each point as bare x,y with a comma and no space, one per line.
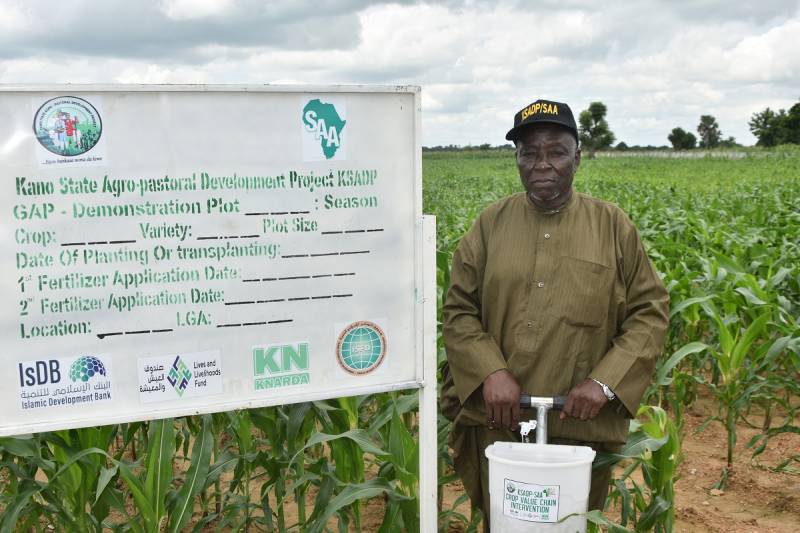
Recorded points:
472,466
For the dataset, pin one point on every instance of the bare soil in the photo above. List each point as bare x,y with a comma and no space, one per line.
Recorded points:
756,499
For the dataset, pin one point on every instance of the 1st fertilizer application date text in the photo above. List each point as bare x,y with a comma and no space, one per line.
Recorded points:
94,254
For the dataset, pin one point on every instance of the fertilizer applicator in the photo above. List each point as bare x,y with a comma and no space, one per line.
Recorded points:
534,485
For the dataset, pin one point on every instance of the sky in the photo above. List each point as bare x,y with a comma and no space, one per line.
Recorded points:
655,64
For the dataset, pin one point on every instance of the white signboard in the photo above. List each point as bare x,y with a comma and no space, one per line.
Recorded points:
178,250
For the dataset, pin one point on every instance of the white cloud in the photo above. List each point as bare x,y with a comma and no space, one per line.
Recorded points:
194,9
771,56
15,17
155,74
656,64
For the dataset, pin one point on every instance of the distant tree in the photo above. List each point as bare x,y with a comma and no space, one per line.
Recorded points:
708,129
772,129
621,146
682,139
594,132
793,124
730,142
765,126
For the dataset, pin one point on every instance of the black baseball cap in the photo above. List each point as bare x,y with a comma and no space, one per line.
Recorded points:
543,111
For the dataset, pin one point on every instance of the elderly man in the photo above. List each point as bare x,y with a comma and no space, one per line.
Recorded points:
551,293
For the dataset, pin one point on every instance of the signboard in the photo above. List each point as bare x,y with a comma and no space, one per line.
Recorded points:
175,250
530,502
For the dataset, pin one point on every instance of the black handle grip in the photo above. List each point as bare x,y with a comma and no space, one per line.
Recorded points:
558,402
525,401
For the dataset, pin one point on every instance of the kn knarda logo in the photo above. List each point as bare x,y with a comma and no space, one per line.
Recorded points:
281,365
323,122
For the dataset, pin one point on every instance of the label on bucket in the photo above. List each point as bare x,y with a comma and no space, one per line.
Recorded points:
530,502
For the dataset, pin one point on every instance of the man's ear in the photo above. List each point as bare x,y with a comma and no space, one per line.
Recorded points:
577,158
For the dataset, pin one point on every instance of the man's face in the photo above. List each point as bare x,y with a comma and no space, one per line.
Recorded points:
547,159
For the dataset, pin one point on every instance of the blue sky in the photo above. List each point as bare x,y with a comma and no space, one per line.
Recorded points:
655,64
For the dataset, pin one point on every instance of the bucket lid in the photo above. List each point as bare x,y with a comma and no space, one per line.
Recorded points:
541,455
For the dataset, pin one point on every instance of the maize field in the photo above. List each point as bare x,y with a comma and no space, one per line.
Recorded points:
724,233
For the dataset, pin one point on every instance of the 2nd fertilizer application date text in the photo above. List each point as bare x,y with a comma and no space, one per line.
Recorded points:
96,253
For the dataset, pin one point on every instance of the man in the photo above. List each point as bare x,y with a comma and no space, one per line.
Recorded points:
70,127
551,293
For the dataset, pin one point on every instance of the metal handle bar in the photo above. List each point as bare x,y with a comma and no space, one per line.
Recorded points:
526,401
542,404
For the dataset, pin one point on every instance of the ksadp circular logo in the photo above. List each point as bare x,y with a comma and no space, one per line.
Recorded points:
67,125
85,368
361,347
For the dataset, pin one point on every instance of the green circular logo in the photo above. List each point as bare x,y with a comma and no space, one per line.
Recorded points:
84,368
67,125
361,347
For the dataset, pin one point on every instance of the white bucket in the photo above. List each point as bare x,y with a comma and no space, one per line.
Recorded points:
533,486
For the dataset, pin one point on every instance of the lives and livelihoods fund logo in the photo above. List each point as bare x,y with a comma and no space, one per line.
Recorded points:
281,365
179,376
176,377
64,381
323,122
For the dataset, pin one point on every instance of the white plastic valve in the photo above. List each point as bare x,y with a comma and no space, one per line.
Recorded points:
525,428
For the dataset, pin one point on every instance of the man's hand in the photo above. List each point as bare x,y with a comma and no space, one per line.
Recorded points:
501,397
584,401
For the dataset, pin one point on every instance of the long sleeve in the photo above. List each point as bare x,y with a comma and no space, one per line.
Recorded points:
472,353
627,367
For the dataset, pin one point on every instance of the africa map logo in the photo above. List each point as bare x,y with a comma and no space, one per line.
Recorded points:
86,367
323,129
67,126
179,376
361,347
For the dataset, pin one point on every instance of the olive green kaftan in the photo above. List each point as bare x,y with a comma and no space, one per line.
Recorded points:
554,297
